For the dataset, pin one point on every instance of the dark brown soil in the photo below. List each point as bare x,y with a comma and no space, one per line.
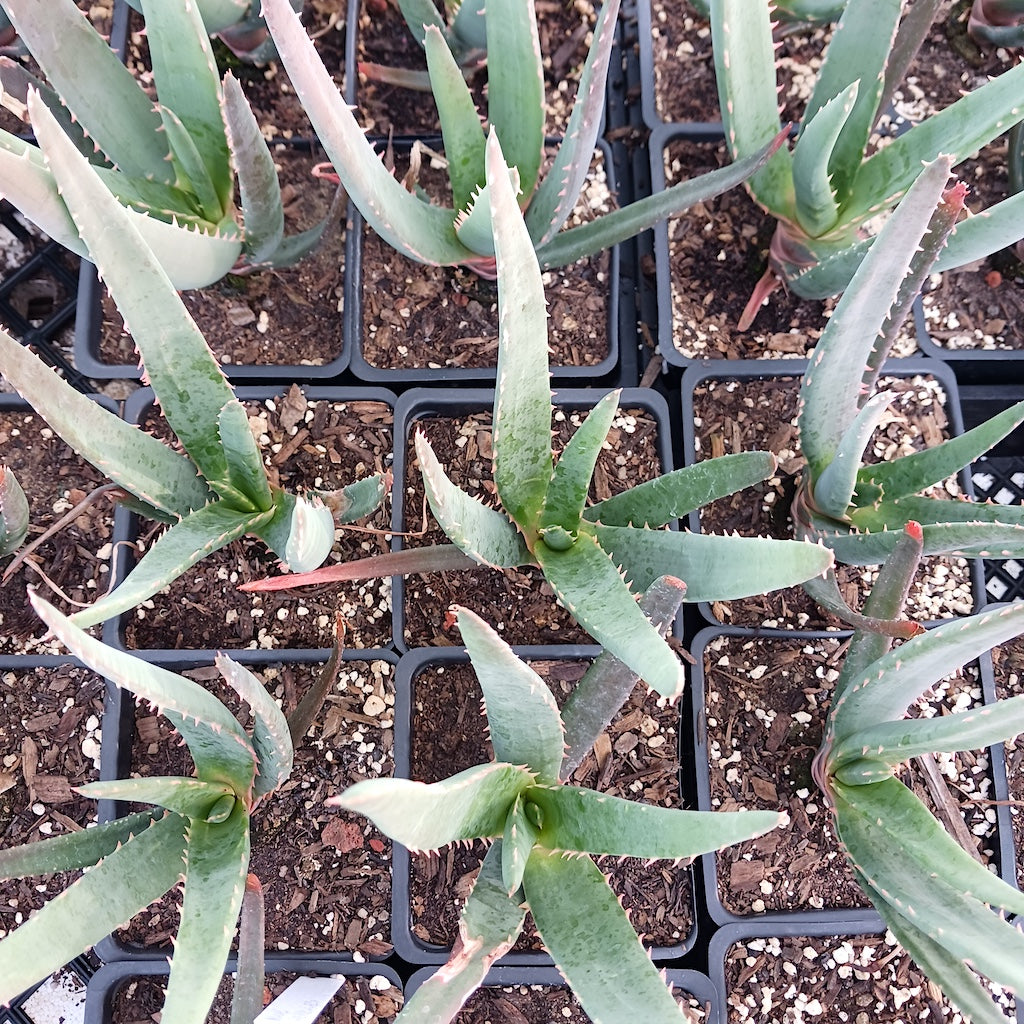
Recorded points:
766,699
384,38
639,761
857,978
368,1000
421,316
733,416
1008,664
326,875
49,742
516,602
76,559
316,444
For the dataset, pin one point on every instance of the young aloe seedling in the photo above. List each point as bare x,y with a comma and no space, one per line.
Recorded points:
935,897
593,557
544,835
197,836
825,190
218,490
14,512
858,510
172,164
462,236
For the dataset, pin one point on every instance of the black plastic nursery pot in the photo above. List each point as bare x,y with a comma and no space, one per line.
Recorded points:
418,310
334,860
759,703
428,890
313,437
64,992
541,994
522,609
765,420
368,992
837,970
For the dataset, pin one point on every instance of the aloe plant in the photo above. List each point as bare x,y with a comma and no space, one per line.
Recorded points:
934,896
172,164
463,27
544,834
196,836
217,490
595,557
14,512
824,191
789,12
461,236
858,510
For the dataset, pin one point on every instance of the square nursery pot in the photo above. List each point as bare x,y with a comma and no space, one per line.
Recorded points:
998,477
313,437
325,873
369,993
827,971
418,324
77,558
437,704
264,327
732,407
760,702
517,602
540,995
61,997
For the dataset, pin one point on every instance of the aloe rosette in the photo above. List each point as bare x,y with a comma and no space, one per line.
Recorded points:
196,836
595,558
859,510
217,490
935,897
172,164
824,191
544,836
462,235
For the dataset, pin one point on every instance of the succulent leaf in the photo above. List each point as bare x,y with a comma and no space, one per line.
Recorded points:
191,798
584,821
176,550
483,533
676,494
519,839
245,482
567,492
220,748
556,889
216,865
460,123
522,399
609,681
421,816
714,568
971,538
817,209
73,850
589,587
118,887
419,15
525,726
271,738
14,512
983,233
490,923
357,500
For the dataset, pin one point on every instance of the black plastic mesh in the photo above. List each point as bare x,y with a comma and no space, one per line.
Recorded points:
1001,480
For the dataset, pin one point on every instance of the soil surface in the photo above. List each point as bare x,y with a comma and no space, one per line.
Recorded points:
766,701
518,603
326,875
760,415
49,743
76,558
858,978
638,760
361,1000
317,444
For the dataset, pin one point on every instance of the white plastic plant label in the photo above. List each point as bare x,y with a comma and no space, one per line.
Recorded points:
301,1002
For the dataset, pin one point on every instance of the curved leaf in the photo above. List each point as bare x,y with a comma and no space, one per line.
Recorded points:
997,227
191,798
516,844
421,816
245,482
